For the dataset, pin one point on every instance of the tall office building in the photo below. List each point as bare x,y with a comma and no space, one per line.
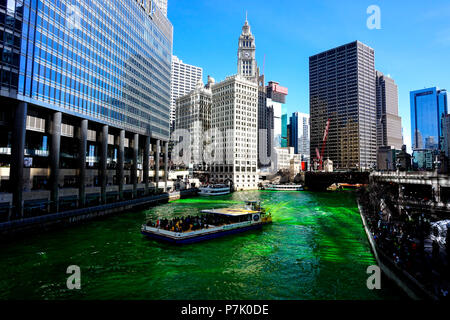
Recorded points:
184,79
428,108
299,134
342,90
162,5
84,116
234,120
194,115
276,99
389,124
265,127
270,123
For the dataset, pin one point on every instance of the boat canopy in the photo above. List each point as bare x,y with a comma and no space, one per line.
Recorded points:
231,212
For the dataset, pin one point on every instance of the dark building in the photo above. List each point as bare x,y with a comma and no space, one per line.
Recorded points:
342,90
85,102
387,158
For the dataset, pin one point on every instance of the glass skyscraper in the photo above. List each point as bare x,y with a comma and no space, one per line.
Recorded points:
79,56
86,85
299,134
428,107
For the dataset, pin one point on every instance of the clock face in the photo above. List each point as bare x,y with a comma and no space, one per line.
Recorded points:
247,55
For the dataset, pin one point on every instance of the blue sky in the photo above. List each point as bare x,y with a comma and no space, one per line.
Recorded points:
412,46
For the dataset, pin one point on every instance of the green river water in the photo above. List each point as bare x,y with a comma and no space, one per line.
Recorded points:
316,248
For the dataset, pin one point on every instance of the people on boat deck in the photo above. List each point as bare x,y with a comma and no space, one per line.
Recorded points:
190,223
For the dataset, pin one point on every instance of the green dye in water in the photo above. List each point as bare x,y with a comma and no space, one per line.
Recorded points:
315,249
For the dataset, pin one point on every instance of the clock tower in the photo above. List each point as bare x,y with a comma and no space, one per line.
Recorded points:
247,66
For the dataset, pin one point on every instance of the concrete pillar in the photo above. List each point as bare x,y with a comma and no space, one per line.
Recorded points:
54,160
166,164
157,154
146,164
17,157
82,162
103,173
134,169
437,190
400,197
120,156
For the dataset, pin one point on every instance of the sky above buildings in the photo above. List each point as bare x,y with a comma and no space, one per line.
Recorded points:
412,46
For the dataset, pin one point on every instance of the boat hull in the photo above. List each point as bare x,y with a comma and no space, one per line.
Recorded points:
204,237
282,188
203,194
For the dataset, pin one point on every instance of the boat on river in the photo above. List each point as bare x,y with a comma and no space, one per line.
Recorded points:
284,187
214,223
214,190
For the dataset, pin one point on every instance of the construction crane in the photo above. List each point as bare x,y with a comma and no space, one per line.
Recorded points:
324,142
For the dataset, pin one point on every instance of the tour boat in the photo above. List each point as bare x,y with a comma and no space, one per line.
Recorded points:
214,190
284,187
232,221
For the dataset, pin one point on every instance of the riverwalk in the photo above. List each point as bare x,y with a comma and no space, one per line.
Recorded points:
67,218
403,251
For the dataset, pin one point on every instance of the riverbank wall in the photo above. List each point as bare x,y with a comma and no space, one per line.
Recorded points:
401,278
44,223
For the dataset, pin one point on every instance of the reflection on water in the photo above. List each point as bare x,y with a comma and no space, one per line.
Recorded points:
315,249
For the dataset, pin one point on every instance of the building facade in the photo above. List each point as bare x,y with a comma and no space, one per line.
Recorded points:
285,157
162,5
193,114
423,159
185,78
276,99
85,102
235,133
234,120
446,135
342,90
299,134
387,158
428,108
389,124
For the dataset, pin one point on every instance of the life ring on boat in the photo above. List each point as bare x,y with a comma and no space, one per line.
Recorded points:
256,217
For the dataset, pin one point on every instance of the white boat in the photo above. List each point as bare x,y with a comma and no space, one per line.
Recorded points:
284,187
214,190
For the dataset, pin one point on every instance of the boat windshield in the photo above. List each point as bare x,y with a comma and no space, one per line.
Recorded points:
253,205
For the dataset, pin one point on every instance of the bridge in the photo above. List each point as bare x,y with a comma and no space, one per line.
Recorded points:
427,191
322,180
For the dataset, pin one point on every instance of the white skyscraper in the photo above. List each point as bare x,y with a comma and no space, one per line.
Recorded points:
194,115
234,119
184,79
